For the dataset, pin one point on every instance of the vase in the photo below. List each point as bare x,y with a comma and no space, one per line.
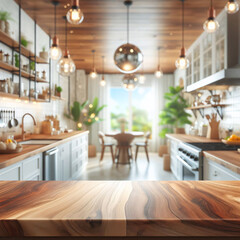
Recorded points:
44,55
179,130
122,126
7,29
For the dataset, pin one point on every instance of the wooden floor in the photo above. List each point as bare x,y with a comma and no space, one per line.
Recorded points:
142,170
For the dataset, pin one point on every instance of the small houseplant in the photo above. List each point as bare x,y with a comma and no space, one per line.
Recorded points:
16,57
58,91
43,54
174,117
4,24
32,67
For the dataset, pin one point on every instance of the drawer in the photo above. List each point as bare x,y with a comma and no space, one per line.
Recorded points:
76,143
31,165
76,154
11,173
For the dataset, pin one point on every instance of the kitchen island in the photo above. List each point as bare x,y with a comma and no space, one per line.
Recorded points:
120,209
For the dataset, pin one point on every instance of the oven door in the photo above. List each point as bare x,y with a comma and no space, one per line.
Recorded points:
188,173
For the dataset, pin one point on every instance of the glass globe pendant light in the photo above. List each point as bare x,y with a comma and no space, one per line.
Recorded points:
158,73
66,65
102,82
211,25
75,15
55,51
182,62
93,74
130,81
128,57
232,6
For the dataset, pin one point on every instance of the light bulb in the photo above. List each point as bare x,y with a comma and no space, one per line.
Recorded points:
232,6
93,74
66,65
102,83
55,51
158,73
141,79
182,62
75,15
211,25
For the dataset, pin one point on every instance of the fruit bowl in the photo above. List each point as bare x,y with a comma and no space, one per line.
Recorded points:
236,143
8,151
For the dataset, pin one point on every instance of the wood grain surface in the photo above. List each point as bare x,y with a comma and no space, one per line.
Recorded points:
31,150
189,138
122,208
228,159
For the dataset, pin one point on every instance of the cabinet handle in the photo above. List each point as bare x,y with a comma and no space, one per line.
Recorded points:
215,174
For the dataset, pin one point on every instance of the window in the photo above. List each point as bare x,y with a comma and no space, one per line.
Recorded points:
135,106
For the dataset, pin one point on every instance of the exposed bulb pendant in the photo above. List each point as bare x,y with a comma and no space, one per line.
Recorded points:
158,73
232,6
130,81
182,62
55,51
75,15
93,74
128,57
66,65
211,25
102,82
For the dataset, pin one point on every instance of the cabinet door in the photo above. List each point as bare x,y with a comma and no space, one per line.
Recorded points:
174,165
64,162
32,168
216,172
11,173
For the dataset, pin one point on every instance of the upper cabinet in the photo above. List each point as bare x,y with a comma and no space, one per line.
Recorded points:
213,53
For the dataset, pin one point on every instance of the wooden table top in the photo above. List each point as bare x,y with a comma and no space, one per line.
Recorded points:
135,134
31,150
120,208
189,138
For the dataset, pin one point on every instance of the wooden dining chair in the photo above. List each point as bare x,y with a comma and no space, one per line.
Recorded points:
104,145
144,145
124,147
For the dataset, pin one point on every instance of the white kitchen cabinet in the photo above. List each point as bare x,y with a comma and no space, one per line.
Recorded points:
29,169
216,172
32,168
175,164
64,162
11,173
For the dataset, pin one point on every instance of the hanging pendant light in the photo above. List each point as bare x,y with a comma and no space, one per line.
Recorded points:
55,51
232,6
75,15
158,73
130,81
93,74
66,65
182,62
103,82
128,57
211,25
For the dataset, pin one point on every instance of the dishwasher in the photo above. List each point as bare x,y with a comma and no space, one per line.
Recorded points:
50,165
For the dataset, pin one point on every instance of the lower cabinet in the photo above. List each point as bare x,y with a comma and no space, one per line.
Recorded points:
215,171
175,164
29,169
64,161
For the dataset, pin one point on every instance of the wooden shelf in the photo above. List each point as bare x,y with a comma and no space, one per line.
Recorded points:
7,40
200,109
56,98
8,67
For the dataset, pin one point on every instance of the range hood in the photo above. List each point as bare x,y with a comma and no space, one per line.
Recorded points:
220,80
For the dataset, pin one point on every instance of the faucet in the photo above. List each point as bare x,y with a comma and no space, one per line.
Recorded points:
23,132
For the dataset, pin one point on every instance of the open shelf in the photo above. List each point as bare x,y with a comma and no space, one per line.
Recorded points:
7,40
57,98
200,109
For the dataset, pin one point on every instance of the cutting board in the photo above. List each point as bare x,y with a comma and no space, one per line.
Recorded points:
213,128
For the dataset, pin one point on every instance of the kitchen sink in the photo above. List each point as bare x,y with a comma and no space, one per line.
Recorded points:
38,142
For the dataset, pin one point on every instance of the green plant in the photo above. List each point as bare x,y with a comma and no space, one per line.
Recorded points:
16,56
173,114
24,41
58,89
32,65
44,49
5,16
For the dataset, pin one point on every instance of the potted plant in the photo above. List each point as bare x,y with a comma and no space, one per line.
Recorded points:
4,24
85,115
58,91
43,54
32,67
16,57
174,117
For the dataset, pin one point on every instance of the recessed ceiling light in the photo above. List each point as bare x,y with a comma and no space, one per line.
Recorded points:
68,4
65,6
170,33
71,31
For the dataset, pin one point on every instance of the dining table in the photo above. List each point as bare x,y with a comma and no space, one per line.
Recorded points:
124,140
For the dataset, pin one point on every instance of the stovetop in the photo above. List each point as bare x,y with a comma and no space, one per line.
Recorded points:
213,146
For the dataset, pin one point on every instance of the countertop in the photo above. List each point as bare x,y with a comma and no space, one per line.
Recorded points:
31,150
119,208
228,159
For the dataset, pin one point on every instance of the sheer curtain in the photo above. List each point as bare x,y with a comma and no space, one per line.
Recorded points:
158,88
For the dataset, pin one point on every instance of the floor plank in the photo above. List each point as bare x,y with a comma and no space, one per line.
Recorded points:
140,171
